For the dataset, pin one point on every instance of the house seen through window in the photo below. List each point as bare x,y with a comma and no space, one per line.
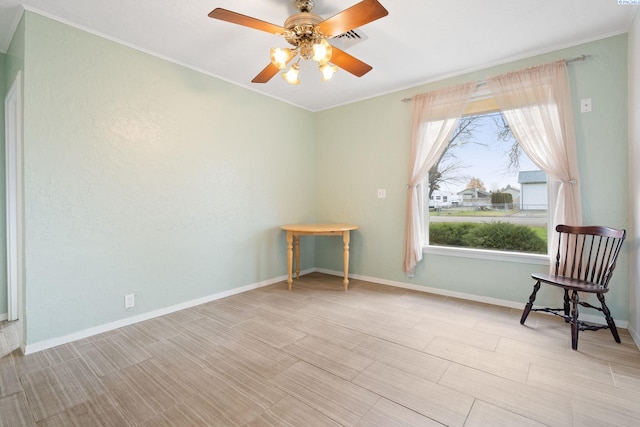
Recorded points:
485,192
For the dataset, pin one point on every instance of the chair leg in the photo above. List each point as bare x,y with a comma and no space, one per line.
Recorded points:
574,320
610,322
566,305
529,305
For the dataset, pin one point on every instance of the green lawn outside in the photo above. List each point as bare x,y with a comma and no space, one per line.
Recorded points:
541,232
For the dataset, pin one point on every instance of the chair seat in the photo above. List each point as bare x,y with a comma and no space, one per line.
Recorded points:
570,283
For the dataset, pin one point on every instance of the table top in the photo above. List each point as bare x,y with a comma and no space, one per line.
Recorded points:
319,228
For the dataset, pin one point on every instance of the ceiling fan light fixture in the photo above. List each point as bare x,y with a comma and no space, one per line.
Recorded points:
327,71
308,34
291,76
322,52
281,56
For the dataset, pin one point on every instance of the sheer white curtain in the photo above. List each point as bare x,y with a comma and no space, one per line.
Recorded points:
536,103
435,116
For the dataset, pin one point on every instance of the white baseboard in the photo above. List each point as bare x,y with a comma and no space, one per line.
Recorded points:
54,342
469,297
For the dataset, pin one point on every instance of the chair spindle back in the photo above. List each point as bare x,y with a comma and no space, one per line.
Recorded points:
588,253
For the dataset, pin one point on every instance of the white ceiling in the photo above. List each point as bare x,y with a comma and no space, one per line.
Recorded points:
419,41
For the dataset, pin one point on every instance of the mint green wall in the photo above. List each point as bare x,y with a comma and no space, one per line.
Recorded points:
14,59
4,85
364,146
145,177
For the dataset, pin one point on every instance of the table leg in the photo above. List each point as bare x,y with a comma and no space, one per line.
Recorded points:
345,241
289,257
296,243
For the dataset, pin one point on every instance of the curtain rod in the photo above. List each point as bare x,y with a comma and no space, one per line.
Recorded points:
482,82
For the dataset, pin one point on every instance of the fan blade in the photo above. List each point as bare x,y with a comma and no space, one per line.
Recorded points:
354,17
349,63
266,74
247,21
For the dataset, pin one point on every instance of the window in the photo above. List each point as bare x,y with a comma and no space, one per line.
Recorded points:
485,193
537,102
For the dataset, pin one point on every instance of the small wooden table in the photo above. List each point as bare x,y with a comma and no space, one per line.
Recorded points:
294,231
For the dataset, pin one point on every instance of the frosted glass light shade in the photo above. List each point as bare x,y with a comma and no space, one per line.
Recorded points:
291,76
322,52
280,57
327,71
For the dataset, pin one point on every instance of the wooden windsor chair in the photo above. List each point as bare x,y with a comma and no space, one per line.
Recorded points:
585,261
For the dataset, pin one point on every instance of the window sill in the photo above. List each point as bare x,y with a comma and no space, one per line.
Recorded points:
519,257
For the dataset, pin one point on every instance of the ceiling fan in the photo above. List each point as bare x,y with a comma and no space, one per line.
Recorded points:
308,33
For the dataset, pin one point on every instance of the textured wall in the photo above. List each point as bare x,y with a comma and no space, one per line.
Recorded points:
365,146
142,176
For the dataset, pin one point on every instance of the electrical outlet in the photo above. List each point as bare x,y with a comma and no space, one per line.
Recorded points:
382,193
129,301
585,105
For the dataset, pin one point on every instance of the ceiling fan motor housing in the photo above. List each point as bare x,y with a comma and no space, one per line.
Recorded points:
302,30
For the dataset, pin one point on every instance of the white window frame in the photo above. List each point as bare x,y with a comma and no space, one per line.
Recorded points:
483,104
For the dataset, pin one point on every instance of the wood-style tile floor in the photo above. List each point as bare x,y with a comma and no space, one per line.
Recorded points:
319,356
